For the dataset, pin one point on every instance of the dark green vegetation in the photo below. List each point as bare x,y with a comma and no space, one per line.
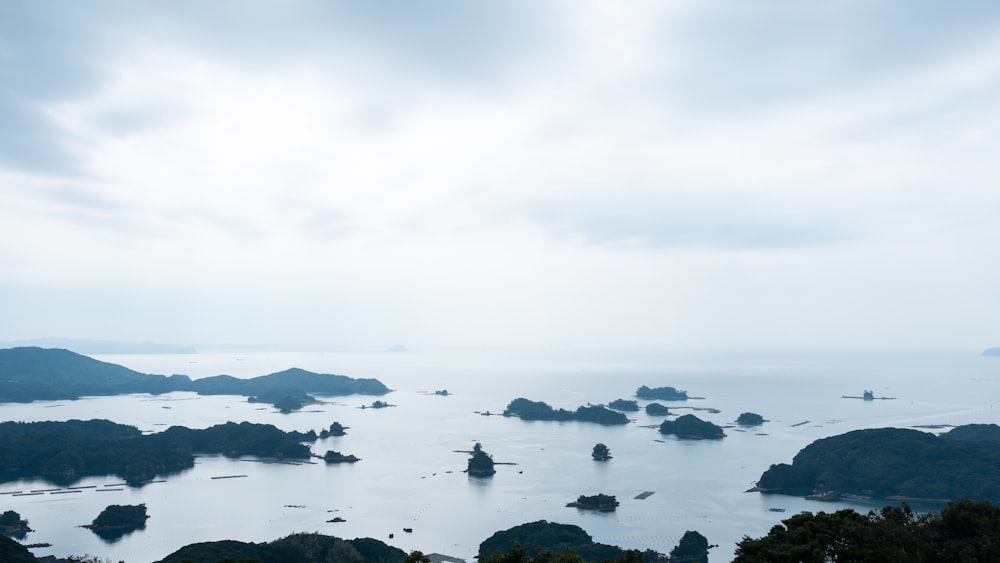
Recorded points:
893,462
964,531
693,548
598,502
690,427
481,463
656,409
121,516
601,452
284,401
332,456
37,374
336,429
661,394
537,410
514,545
12,525
624,405
750,419
296,548
13,552
63,452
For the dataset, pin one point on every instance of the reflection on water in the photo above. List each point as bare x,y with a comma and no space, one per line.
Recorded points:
410,475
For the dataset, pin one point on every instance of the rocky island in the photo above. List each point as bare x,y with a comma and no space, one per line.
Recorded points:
336,429
690,427
481,463
624,405
12,525
333,456
601,453
749,419
117,520
656,409
64,452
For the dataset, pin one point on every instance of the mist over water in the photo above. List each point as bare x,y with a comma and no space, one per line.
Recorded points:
411,474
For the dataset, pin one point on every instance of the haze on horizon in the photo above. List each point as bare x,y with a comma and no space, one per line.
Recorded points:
565,174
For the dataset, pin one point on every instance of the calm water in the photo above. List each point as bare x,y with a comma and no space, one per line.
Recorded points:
411,476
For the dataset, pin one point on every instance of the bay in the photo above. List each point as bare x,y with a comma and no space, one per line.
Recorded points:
411,473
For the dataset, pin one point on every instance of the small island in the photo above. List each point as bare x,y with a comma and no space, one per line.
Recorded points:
336,429
750,419
598,502
332,456
12,525
285,401
442,392
538,410
690,427
661,394
624,405
481,463
118,520
377,405
601,453
656,409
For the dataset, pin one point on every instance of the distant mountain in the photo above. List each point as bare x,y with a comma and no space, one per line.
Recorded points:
992,352
35,374
84,346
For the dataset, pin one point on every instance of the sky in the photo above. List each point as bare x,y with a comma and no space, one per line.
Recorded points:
565,174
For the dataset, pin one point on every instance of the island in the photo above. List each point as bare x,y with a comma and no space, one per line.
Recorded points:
693,548
481,463
441,392
656,409
336,429
624,405
601,452
283,400
661,394
117,520
65,452
12,525
537,410
377,405
690,427
332,456
598,502
749,419
40,374
893,463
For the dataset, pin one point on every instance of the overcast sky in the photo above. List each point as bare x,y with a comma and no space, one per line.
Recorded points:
546,174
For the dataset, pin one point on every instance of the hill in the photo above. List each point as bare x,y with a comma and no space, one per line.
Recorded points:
49,374
892,463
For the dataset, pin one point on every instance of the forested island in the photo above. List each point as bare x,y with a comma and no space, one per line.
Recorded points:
624,405
538,410
661,394
894,463
117,520
41,374
600,452
333,456
11,524
64,452
690,427
481,463
749,419
599,502
656,409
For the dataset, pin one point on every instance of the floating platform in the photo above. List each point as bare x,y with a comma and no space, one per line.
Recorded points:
644,495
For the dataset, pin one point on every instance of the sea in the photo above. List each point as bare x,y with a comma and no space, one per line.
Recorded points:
410,490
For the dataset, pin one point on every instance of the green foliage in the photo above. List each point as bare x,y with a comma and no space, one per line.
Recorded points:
690,427
964,531
600,502
891,462
13,552
693,548
661,393
121,516
544,538
11,524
